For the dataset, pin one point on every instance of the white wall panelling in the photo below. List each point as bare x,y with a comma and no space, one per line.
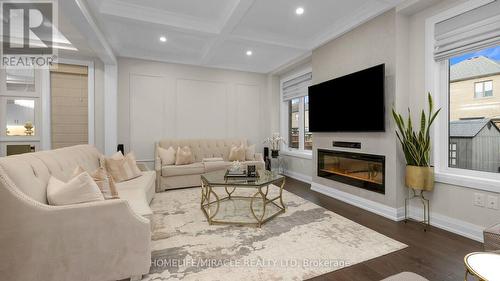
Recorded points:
179,101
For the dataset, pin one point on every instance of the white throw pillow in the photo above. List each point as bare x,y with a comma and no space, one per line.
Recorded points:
237,153
250,153
79,189
167,156
184,156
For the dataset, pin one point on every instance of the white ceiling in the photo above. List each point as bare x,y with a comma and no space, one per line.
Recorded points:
217,33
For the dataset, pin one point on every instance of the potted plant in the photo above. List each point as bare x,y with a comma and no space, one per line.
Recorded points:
416,147
274,141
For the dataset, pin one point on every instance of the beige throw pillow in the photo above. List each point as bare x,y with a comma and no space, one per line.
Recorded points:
79,189
167,156
123,169
250,153
184,156
103,181
117,155
237,153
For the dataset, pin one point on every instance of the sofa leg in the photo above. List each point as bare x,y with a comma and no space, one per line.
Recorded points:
136,278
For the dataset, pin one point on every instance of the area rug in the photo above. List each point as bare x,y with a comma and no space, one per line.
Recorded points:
305,241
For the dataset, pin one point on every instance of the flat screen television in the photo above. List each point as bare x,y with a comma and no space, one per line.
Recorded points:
351,103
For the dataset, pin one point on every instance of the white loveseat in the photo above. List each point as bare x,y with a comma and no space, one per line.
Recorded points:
105,240
172,176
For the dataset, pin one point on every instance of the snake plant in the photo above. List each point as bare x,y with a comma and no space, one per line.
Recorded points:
416,145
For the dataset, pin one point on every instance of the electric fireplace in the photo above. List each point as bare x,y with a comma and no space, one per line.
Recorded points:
361,170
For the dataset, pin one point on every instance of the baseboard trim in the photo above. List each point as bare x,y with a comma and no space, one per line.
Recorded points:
371,206
456,226
299,176
449,224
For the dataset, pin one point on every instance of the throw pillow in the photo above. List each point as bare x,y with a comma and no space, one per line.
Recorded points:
237,153
103,181
167,156
117,156
79,189
123,169
250,153
184,156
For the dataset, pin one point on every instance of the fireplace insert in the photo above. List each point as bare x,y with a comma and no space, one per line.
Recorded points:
361,170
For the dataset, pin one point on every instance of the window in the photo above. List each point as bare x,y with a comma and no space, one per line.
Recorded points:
472,126
295,112
453,155
483,89
462,72
307,134
293,123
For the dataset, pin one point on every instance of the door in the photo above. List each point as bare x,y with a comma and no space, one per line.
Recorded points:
69,105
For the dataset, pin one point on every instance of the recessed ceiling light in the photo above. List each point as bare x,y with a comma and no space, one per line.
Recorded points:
299,11
163,39
249,52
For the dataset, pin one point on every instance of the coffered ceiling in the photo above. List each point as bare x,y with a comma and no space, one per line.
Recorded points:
218,33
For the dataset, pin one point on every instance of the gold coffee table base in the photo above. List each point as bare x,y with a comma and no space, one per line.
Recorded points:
210,198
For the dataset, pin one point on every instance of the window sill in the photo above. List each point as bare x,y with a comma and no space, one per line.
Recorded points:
491,185
297,153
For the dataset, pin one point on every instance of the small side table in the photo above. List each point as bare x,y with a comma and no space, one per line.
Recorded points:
483,266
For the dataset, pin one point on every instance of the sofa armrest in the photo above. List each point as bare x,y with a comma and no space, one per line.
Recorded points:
259,157
102,240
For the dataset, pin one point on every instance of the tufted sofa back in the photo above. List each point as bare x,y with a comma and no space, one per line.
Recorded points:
31,172
204,148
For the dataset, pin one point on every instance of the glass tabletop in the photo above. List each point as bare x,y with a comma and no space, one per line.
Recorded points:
484,265
218,179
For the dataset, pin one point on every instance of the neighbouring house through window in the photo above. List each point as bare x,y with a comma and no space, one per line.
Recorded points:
474,112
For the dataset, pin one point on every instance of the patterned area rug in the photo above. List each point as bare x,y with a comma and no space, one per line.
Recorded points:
304,242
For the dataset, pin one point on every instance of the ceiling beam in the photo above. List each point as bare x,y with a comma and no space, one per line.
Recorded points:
230,23
277,43
79,14
149,15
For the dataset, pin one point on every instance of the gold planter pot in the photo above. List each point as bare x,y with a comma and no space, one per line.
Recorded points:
420,178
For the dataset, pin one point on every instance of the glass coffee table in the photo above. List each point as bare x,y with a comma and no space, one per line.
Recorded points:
242,201
483,266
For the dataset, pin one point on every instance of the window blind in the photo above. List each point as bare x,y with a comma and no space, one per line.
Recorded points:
297,87
476,29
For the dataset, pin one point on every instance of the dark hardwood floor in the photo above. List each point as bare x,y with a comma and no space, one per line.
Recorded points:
435,254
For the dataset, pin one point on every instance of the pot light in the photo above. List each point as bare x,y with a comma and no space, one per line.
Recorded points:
299,11
163,39
249,53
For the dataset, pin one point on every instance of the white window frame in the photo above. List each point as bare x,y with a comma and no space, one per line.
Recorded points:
437,83
483,83
284,120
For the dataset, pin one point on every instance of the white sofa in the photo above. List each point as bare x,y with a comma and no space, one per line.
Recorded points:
105,240
172,176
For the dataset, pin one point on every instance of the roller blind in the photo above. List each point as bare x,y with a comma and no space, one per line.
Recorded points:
476,29
297,87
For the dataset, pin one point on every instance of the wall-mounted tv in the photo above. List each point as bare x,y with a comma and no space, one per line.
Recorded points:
351,103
